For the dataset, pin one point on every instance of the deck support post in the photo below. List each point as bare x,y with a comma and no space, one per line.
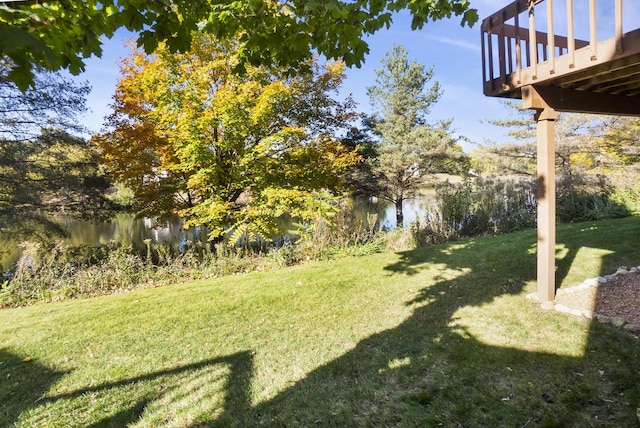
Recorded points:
546,181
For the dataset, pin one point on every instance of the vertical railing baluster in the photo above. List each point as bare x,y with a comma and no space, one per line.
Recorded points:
502,49
518,50
618,12
533,47
509,56
484,56
490,46
551,37
592,26
571,41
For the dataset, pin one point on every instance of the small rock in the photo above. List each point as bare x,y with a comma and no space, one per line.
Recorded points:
576,312
591,282
602,280
633,328
617,321
562,308
588,314
610,277
633,270
603,319
622,271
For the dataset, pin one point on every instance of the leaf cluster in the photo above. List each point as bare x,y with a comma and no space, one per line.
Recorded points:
60,34
53,102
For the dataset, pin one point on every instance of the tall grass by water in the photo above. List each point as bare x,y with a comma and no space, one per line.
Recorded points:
469,208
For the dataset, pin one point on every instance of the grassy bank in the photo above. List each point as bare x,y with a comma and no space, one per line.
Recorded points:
439,335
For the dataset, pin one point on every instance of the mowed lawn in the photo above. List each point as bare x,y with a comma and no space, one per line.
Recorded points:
438,336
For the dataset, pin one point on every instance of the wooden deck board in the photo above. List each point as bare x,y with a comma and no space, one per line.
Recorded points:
608,67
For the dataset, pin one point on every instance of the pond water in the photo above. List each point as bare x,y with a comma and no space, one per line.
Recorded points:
129,230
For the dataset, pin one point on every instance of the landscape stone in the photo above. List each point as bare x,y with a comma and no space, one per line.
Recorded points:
591,282
633,328
576,312
562,308
617,321
588,313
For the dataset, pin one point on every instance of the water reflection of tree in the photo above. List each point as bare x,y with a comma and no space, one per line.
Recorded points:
123,228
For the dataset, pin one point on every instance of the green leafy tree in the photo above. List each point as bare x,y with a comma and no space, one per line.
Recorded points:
229,152
582,142
60,34
622,140
44,165
361,181
595,159
409,150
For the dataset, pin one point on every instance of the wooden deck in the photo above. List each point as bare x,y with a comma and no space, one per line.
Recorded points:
588,76
556,71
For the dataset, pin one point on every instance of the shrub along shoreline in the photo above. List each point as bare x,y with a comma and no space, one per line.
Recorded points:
473,207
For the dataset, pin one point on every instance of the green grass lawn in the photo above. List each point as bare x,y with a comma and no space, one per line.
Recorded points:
439,336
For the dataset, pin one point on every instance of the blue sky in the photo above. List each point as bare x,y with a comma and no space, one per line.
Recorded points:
454,52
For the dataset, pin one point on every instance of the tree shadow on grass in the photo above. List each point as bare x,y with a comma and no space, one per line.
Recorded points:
435,370
232,372
190,379
22,384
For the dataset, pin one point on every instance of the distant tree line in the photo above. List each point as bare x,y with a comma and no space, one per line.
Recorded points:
45,163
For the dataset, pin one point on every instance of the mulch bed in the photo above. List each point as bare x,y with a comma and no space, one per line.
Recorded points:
618,297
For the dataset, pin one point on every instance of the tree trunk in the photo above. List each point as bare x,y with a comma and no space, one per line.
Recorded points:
399,213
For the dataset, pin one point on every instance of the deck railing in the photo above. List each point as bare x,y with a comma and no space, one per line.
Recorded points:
512,41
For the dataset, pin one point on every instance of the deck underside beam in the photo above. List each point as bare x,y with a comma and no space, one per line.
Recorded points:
568,100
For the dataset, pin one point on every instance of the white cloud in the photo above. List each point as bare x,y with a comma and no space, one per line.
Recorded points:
475,47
